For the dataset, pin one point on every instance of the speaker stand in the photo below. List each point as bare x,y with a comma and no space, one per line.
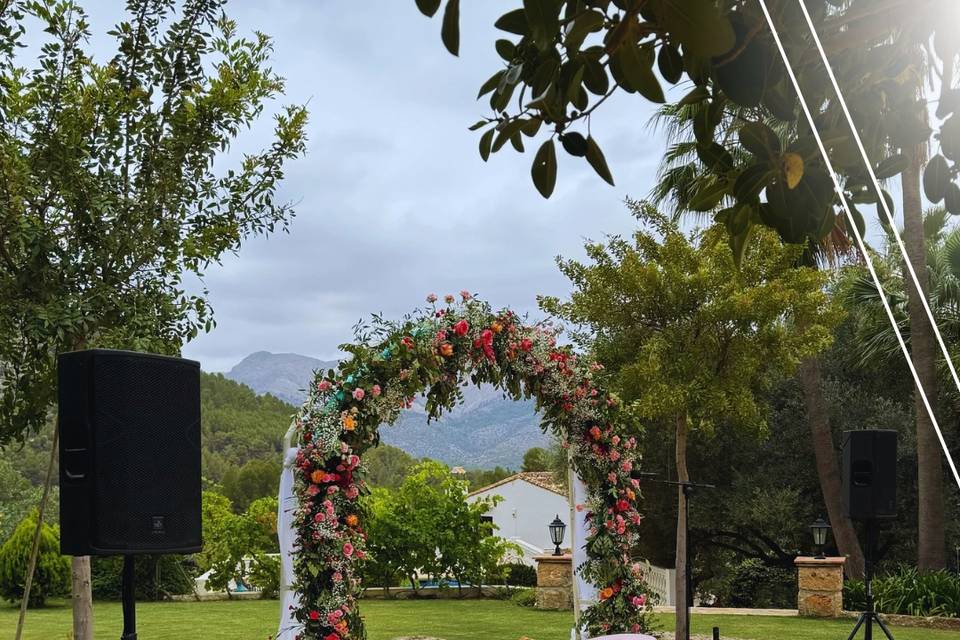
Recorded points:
129,601
868,617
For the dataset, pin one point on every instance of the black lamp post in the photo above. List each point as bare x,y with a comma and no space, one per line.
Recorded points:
557,528
820,529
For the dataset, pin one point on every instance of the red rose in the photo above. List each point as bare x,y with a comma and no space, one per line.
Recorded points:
314,615
526,344
622,505
461,328
332,636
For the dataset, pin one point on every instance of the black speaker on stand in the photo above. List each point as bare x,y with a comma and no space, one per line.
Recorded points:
870,497
129,458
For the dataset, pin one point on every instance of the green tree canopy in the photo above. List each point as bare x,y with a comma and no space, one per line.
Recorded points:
114,184
52,574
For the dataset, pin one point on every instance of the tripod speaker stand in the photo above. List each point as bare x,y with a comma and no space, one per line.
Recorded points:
869,616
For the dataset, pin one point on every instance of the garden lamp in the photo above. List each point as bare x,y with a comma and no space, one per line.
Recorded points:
820,529
557,527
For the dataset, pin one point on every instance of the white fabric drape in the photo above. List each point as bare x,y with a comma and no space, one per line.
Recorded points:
287,535
584,593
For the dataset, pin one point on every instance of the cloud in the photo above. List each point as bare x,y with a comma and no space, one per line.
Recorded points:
393,200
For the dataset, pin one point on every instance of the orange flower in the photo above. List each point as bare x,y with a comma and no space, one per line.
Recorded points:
317,476
349,422
496,326
352,520
446,349
606,593
630,494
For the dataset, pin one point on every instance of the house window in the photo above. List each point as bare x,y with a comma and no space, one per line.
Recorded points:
486,519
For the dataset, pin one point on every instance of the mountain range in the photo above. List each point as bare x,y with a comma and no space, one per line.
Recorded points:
485,431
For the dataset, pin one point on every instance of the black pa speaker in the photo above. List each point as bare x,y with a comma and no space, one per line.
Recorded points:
870,474
129,453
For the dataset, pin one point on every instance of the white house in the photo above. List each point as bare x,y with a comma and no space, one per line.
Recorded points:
531,501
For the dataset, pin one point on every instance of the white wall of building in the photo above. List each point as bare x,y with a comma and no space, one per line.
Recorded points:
525,512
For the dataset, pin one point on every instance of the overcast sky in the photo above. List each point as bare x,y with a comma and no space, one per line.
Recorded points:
393,200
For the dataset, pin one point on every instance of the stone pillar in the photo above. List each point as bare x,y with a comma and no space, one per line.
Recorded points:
820,586
555,582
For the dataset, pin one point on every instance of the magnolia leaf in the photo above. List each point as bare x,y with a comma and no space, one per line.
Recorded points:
585,24
742,79
505,49
708,196
428,7
492,83
513,22
792,166
759,139
936,179
951,199
544,21
881,214
485,141
597,161
670,63
892,166
714,156
738,244
595,78
478,125
751,182
544,169
574,143
637,67
450,29
698,25
857,219
697,94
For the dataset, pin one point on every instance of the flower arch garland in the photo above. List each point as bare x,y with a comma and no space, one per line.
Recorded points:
432,351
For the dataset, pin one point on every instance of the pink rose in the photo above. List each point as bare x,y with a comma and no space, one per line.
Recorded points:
313,490
358,394
466,295
639,601
461,328
614,455
332,490
448,298
375,390
627,466
337,577
351,492
324,385
347,549
615,440
431,298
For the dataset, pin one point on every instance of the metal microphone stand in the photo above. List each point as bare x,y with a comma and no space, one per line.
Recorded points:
687,487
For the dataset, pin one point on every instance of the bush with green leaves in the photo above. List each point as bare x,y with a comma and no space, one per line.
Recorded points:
517,574
756,585
524,597
265,575
908,591
52,574
156,577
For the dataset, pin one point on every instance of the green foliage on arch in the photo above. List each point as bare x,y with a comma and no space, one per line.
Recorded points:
435,351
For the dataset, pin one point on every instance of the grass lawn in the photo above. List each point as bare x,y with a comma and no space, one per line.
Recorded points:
450,619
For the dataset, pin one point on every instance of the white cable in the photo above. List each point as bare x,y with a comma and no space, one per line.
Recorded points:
858,236
893,224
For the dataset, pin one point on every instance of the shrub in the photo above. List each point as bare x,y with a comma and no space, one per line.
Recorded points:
910,592
758,586
52,574
155,577
265,575
517,574
524,597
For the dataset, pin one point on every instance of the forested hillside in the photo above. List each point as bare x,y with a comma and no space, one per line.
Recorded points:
238,425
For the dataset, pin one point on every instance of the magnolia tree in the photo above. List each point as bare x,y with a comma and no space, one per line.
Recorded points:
563,59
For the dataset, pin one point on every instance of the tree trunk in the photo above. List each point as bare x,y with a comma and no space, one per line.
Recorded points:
931,542
828,469
680,590
82,599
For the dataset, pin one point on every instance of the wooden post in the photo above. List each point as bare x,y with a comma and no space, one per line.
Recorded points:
82,602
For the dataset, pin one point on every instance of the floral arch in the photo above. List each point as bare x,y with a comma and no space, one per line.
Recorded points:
433,351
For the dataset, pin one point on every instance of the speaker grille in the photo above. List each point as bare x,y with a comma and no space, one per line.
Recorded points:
147,453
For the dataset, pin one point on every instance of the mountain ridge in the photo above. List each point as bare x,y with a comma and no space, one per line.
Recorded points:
485,431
